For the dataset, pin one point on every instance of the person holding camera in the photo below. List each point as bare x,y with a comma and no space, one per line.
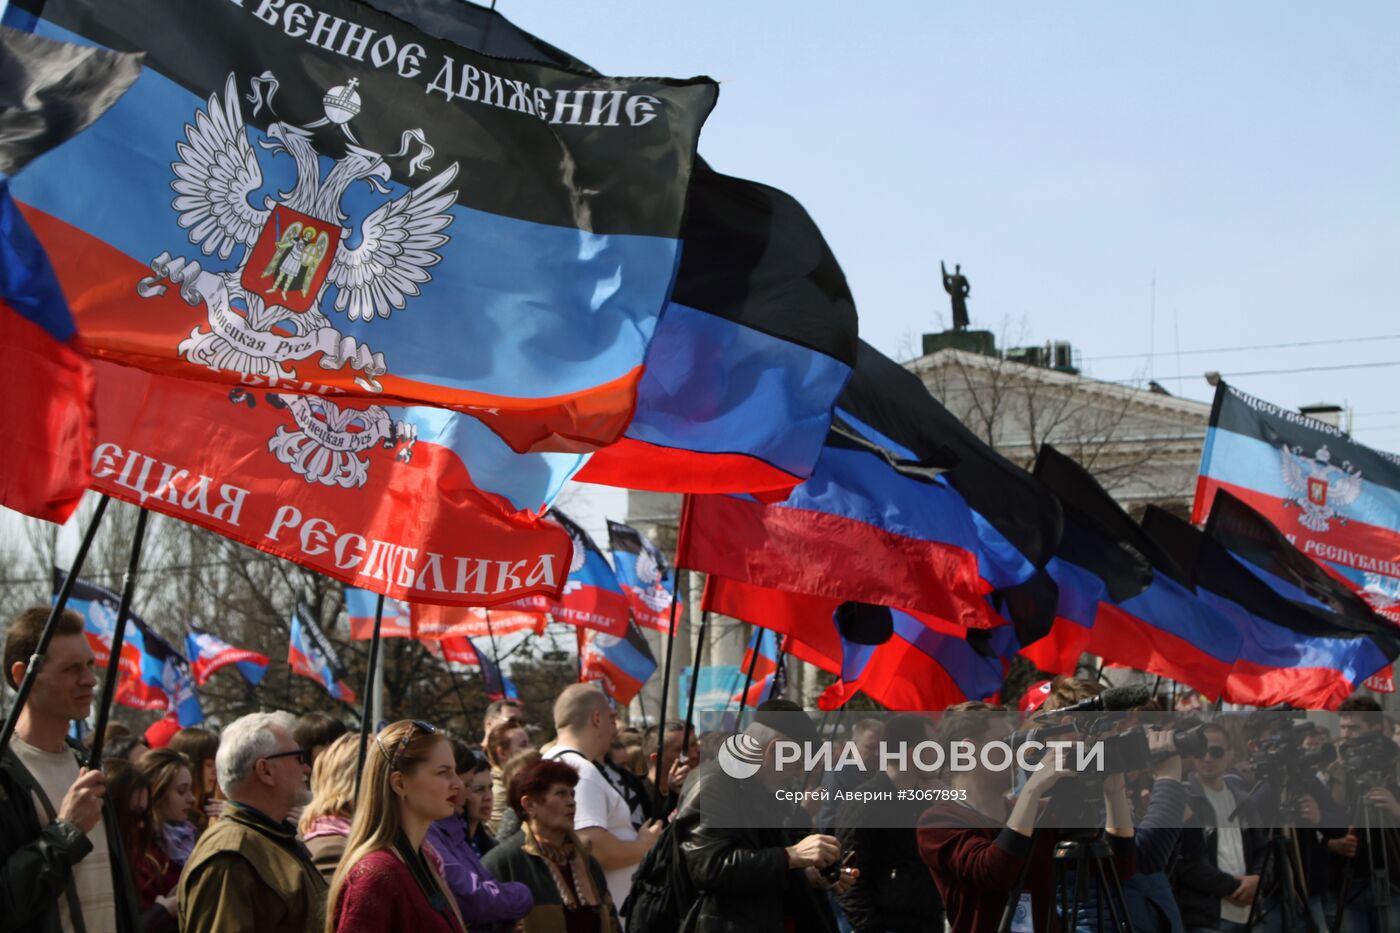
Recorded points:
985,855
1366,856
1151,902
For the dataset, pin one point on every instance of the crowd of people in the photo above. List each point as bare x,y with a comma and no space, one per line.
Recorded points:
277,823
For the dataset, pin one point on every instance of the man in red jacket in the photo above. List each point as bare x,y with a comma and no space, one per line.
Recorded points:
978,847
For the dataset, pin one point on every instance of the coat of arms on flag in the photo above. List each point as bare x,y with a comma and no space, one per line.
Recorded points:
1320,487
268,312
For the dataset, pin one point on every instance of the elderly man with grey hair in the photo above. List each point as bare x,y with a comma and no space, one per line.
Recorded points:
249,871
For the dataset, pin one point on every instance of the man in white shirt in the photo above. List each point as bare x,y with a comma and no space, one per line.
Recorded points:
1231,859
586,725
59,851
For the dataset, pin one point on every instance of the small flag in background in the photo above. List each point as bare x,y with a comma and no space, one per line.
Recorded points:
592,598
642,570
153,675
360,605
762,654
621,665
208,653
312,655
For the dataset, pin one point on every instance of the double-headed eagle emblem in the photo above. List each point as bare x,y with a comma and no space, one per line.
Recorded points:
285,264
1321,487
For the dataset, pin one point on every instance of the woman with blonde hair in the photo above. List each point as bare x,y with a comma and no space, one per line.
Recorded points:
503,743
325,821
385,882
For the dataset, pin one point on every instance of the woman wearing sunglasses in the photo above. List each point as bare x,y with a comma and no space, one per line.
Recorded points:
385,882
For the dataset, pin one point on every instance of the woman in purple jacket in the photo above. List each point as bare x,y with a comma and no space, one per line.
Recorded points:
461,840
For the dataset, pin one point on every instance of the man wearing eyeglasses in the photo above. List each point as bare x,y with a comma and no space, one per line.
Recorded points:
249,871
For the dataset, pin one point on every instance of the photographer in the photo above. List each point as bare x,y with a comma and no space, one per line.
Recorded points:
1366,855
980,850
1217,873
1151,902
1286,759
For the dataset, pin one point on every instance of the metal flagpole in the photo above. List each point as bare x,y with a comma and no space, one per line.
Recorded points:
114,667
366,712
46,635
748,675
491,634
671,642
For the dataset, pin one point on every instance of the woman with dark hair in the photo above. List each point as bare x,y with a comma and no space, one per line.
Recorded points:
200,746
385,882
172,799
462,839
130,792
568,885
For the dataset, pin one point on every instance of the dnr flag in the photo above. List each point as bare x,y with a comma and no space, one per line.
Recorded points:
620,665
48,92
592,597
320,197
643,572
1336,500
312,655
152,674
209,653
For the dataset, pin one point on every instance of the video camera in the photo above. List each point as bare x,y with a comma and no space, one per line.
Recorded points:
1369,760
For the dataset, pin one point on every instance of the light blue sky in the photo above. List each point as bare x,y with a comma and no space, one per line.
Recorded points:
1247,152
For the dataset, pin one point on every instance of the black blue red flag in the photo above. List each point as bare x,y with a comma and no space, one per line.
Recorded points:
759,335
875,523
645,575
311,654
757,343
1296,652
323,199
1337,500
592,598
48,92
1121,595
620,665
209,653
152,674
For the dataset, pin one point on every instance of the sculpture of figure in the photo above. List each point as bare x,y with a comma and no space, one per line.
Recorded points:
957,287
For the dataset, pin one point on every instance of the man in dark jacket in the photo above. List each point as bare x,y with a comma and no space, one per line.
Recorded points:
61,858
894,891
749,862
1217,874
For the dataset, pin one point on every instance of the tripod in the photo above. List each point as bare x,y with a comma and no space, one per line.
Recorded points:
1078,861
1283,863
1376,827
1289,888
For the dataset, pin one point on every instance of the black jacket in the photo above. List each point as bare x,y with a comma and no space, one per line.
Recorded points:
740,870
36,861
1199,883
895,890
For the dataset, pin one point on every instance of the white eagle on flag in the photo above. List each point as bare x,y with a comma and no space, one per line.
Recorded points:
1321,487
295,246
